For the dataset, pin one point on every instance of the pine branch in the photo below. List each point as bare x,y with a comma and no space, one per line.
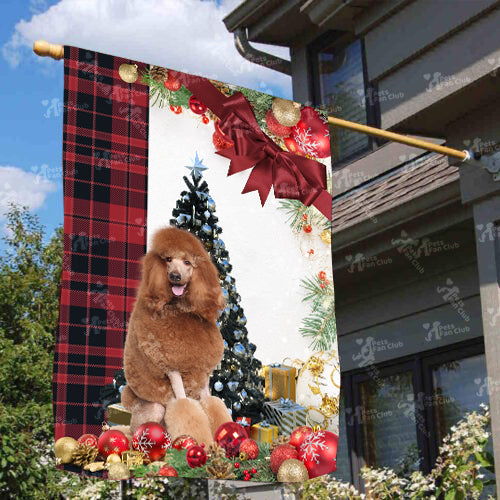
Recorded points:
320,327
295,210
164,97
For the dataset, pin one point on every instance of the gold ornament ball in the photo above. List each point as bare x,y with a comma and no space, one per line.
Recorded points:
292,471
326,237
286,112
118,470
113,459
64,449
128,72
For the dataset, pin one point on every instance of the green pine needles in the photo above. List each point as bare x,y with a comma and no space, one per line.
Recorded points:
319,325
295,210
160,96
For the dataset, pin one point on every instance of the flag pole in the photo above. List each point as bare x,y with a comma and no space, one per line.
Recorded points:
392,136
45,49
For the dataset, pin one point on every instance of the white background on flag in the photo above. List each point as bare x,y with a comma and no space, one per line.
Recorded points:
266,257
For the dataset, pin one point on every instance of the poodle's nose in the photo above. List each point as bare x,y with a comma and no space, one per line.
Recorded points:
174,276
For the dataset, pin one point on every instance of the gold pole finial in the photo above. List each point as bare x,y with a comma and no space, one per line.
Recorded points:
43,48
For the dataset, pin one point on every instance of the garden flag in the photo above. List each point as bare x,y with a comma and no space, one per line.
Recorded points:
196,326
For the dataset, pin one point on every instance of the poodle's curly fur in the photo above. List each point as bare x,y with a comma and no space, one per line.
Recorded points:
173,342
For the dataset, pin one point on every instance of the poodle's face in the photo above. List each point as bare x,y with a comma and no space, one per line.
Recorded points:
178,270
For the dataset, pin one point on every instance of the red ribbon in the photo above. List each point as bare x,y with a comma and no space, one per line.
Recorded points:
291,176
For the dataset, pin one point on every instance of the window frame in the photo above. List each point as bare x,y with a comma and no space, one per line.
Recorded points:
338,39
420,364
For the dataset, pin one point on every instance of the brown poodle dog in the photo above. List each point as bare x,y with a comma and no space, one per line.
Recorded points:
173,342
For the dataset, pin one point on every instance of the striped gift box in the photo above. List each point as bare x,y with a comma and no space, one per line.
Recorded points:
286,414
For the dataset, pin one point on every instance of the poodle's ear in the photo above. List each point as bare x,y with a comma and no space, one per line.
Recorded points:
154,278
206,296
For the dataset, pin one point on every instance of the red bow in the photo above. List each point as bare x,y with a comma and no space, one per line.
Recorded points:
291,176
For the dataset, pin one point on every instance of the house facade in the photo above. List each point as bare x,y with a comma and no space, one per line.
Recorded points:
415,235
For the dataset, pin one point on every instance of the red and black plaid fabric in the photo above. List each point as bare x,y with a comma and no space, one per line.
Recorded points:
105,189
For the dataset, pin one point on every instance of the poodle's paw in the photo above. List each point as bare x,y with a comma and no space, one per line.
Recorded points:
186,416
146,411
216,411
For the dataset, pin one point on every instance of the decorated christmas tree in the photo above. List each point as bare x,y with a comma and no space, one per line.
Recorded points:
236,380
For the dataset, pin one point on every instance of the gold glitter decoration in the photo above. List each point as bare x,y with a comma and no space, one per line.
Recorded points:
326,237
118,470
95,466
286,112
128,72
329,406
315,365
292,471
64,449
113,459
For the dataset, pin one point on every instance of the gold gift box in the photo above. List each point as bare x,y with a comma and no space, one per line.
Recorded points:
280,381
118,415
266,434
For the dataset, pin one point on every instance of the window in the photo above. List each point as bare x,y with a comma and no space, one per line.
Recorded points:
339,85
397,413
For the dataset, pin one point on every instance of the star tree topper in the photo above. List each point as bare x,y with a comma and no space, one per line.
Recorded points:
197,167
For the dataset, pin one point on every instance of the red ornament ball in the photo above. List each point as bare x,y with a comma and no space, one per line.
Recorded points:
292,146
322,285
311,134
171,83
196,106
112,441
281,453
89,440
196,456
250,447
319,453
322,275
307,228
205,119
229,436
152,439
246,478
237,465
253,471
183,442
275,126
176,109
221,141
298,436
168,471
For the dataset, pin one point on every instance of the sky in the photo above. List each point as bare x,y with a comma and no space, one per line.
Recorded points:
187,35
